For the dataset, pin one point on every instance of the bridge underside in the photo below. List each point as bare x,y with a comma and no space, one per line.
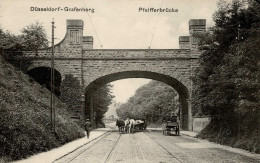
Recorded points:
42,75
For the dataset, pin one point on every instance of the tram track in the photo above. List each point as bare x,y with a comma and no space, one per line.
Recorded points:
77,153
113,148
85,149
146,147
163,147
97,140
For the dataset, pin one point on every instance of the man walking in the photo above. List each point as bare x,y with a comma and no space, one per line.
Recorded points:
87,127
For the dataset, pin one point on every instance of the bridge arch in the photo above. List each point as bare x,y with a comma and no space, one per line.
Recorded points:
42,75
174,83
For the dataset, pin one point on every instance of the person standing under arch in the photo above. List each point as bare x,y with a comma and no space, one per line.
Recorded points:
87,127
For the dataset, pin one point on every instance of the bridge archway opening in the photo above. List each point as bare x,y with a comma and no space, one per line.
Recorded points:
180,88
42,75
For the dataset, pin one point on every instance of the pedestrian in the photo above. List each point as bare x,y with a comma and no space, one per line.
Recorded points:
87,127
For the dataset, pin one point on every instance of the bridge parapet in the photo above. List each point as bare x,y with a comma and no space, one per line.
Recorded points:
139,54
77,52
59,52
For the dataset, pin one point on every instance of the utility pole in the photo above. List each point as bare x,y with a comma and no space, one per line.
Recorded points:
52,80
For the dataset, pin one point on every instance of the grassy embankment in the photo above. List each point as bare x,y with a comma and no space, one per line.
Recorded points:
246,137
25,117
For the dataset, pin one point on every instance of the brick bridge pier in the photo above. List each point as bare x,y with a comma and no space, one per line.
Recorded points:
96,67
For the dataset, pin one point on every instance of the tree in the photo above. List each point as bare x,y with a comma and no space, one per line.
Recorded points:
258,1
71,92
150,102
11,50
216,91
102,100
227,82
34,37
11,46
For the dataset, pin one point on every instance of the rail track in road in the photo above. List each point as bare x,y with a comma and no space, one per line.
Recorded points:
108,157
163,147
95,142
84,148
111,151
149,147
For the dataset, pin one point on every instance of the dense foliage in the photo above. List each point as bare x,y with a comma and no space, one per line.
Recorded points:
71,92
33,37
25,117
227,83
151,102
102,99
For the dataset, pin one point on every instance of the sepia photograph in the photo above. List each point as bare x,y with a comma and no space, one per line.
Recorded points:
130,81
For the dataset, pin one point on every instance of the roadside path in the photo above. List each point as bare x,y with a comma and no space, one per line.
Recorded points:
52,155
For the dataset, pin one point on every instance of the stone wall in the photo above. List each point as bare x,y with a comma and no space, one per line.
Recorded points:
199,123
175,63
191,42
184,42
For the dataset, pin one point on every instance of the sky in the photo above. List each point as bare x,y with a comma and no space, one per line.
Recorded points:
118,24
114,24
127,87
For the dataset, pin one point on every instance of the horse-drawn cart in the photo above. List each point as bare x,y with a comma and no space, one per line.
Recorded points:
171,125
140,125
131,125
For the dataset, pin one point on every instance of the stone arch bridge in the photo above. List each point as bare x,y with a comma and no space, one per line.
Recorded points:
96,67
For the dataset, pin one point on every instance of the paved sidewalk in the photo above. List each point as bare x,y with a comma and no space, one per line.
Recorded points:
189,133
50,156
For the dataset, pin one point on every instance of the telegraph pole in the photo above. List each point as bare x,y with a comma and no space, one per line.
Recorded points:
52,80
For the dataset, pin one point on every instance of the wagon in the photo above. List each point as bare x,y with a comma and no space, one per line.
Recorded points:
171,125
140,125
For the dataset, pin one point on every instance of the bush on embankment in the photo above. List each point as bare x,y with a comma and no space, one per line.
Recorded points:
233,131
25,117
226,84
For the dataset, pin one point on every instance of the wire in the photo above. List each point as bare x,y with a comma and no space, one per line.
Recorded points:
155,26
93,26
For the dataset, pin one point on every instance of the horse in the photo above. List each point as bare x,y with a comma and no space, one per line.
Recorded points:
127,123
121,124
132,125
